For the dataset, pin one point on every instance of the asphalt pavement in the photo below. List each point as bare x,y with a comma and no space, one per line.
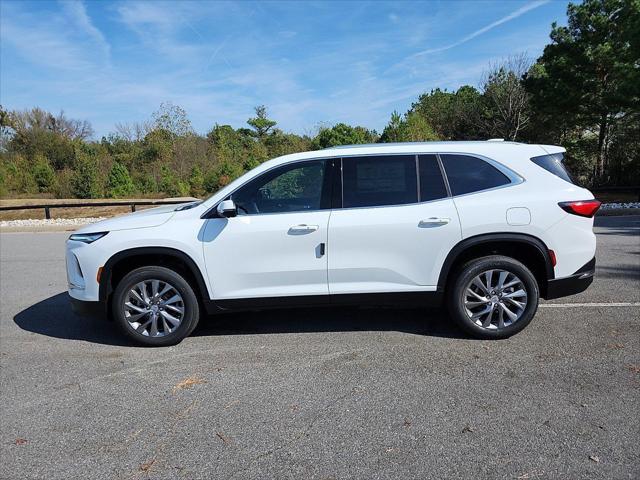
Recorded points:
321,394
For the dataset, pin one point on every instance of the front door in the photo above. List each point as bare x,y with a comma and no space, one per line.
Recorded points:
275,247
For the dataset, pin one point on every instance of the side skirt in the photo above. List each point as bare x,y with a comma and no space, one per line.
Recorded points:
401,299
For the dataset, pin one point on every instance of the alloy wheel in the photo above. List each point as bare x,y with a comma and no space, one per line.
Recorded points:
495,299
154,308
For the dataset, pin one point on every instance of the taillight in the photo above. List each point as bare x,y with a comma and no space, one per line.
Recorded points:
583,208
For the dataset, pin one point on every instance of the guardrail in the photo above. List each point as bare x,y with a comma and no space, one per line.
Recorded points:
49,206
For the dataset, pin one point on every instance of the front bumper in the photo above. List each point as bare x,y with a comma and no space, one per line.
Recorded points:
88,309
576,283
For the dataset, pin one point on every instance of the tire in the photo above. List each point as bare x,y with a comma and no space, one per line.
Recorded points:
174,308
491,320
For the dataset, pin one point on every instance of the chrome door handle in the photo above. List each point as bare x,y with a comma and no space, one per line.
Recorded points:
433,222
302,229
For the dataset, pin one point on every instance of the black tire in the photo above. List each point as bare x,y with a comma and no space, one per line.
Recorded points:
189,304
466,273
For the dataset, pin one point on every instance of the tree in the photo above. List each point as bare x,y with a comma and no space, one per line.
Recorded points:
260,123
505,100
587,79
84,182
119,183
451,115
196,181
412,128
43,175
173,119
342,134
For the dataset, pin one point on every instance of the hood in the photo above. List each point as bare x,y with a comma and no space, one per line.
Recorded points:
151,217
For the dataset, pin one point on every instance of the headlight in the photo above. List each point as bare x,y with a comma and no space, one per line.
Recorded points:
87,237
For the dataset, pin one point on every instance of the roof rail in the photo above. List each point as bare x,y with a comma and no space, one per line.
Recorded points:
496,140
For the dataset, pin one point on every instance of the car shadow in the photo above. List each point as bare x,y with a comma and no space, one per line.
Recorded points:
53,317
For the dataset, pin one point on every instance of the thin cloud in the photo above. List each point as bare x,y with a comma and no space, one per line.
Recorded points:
519,12
78,12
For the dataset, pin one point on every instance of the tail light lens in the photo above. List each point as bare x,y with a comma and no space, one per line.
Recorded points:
582,208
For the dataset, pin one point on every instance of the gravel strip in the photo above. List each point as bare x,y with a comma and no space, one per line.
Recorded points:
53,222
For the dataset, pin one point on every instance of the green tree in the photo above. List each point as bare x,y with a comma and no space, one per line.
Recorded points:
196,181
119,183
412,128
260,123
588,78
43,175
84,182
342,134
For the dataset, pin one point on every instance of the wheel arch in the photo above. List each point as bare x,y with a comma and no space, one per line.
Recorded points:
125,261
529,250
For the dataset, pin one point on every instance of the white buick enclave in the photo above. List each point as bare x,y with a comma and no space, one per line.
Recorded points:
488,227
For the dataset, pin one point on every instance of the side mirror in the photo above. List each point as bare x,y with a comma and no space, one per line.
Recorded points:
227,208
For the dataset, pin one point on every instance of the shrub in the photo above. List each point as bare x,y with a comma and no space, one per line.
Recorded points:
84,182
44,175
119,183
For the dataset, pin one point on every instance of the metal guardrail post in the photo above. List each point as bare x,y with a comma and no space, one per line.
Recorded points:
133,207
47,213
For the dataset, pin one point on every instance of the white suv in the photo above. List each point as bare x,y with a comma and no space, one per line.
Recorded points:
487,226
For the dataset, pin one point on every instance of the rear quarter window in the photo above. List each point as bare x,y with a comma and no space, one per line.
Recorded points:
553,163
468,174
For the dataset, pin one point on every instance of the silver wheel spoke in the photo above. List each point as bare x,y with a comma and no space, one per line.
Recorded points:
175,309
174,299
135,307
512,316
149,313
501,278
517,294
174,321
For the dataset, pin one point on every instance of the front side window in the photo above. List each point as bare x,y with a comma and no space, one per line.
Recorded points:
291,188
467,174
379,180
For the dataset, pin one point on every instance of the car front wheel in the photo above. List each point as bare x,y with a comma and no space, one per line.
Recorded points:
493,297
155,306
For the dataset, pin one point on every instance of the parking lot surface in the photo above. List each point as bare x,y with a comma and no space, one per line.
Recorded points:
325,393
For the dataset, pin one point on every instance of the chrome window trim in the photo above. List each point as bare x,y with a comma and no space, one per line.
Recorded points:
514,178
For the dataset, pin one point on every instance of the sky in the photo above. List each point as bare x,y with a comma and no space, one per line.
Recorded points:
310,63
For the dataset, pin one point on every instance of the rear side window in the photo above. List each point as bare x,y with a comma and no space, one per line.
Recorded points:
379,180
467,174
432,185
553,163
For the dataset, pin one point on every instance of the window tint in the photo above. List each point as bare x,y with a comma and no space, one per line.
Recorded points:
291,188
432,184
553,163
468,174
381,180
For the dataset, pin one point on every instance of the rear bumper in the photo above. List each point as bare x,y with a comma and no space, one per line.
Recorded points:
576,283
88,309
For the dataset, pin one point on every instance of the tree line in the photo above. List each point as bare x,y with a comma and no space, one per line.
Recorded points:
583,93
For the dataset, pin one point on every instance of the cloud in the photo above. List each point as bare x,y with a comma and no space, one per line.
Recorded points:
78,12
517,13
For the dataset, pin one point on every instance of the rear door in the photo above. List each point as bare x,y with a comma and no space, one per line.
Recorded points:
396,225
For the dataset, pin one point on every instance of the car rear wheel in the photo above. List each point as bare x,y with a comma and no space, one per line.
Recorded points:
155,306
493,297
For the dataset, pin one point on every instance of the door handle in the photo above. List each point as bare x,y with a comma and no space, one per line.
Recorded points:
433,222
302,229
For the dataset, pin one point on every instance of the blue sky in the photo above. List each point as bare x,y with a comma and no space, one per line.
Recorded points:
310,63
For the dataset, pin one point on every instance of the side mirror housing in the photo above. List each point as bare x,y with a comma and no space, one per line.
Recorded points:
227,208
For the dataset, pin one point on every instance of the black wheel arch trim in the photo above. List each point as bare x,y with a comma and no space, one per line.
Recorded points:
107,269
476,240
